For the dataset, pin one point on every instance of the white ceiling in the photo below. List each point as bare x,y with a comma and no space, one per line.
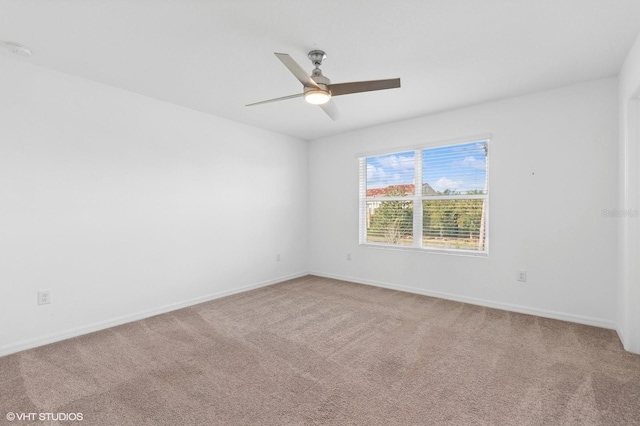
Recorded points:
216,56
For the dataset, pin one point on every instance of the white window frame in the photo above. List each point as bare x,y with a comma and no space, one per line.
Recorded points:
417,198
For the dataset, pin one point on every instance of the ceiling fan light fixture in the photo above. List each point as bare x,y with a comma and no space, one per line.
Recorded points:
317,97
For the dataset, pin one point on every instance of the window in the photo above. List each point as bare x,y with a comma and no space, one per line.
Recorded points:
446,212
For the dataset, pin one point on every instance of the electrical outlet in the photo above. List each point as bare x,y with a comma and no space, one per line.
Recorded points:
278,257
522,276
348,256
44,297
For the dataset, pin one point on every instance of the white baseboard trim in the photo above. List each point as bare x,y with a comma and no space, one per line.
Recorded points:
596,322
620,332
101,325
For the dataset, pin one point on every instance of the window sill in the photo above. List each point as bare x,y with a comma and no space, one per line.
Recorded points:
449,252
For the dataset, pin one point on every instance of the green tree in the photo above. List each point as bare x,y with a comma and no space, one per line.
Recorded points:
439,216
393,220
458,219
470,215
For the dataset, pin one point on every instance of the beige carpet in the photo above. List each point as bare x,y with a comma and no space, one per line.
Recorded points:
320,351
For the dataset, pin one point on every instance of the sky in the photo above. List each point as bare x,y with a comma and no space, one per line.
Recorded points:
459,167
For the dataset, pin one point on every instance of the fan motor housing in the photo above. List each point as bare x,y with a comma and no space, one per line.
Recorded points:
321,80
311,93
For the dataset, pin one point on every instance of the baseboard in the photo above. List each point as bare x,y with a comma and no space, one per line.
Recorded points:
628,342
596,322
620,332
90,328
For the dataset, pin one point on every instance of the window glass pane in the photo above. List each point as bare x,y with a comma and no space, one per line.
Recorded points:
455,169
391,175
454,224
390,222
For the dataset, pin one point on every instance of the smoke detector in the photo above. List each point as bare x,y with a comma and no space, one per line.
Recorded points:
17,49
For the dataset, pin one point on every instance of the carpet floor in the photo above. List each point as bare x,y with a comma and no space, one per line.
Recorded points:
319,351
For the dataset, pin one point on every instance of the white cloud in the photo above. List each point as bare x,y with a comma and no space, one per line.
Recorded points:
473,163
375,174
444,183
397,162
390,170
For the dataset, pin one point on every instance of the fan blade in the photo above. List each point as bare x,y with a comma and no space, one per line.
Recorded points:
363,86
331,110
298,95
296,70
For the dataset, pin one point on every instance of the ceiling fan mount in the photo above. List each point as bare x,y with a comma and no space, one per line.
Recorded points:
316,57
318,90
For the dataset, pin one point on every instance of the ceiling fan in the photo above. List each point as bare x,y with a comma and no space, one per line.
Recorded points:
318,90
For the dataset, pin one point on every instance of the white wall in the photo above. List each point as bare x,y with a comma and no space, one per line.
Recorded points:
629,278
124,206
553,169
